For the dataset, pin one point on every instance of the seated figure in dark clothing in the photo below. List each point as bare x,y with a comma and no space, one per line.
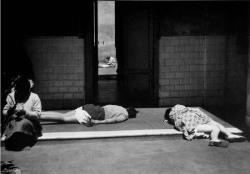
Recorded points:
22,112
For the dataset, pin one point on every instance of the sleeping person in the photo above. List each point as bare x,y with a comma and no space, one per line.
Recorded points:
192,122
90,114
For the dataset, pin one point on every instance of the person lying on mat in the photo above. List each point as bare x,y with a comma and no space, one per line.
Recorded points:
192,121
90,114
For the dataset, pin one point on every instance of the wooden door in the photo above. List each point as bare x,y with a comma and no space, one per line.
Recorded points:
90,51
135,51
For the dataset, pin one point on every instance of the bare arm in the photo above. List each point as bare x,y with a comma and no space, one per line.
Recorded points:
118,119
35,111
179,125
187,136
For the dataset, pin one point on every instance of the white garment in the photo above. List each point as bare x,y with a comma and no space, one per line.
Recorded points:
82,116
111,61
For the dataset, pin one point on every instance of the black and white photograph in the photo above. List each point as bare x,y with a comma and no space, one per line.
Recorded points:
125,87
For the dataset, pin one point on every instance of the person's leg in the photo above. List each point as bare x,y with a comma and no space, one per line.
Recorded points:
214,135
223,130
51,116
212,129
68,117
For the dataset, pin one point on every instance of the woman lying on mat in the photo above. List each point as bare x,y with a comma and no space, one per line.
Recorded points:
192,121
90,114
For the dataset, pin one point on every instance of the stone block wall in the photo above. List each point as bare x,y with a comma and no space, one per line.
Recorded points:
181,70
214,69
58,65
236,81
199,70
248,91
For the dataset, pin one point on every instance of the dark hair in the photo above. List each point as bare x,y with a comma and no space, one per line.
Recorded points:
131,112
22,85
166,116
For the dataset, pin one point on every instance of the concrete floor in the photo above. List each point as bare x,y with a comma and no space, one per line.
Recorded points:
147,155
152,155
107,71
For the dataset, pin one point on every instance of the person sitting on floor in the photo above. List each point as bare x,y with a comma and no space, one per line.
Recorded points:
192,120
22,112
90,114
109,62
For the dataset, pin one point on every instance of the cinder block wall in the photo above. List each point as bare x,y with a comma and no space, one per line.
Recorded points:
181,70
236,82
58,65
248,90
200,70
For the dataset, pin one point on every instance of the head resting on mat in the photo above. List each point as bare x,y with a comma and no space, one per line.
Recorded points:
166,116
131,112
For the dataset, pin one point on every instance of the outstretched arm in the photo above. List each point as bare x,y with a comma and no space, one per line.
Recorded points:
118,119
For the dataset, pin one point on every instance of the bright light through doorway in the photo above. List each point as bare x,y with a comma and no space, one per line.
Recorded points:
107,62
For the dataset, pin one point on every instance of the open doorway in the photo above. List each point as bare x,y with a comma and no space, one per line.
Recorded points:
126,32
107,62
